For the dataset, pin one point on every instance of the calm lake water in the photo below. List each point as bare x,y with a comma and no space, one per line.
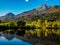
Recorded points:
8,39
14,41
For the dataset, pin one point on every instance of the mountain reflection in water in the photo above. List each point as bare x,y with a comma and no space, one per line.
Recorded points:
9,39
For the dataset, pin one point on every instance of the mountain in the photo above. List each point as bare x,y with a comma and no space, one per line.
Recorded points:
40,10
36,10
44,9
7,17
33,14
56,6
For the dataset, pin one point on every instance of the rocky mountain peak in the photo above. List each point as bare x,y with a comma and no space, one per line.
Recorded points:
45,6
9,14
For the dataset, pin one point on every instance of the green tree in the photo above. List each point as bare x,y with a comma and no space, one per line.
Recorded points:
21,23
12,24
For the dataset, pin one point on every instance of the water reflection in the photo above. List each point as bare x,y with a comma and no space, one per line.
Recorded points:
10,39
13,37
44,36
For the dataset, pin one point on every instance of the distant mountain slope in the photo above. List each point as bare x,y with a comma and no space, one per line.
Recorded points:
44,9
7,17
37,13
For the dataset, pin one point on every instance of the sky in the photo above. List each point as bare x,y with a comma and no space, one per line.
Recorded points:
19,6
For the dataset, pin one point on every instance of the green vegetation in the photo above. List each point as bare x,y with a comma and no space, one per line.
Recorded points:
21,23
47,26
46,20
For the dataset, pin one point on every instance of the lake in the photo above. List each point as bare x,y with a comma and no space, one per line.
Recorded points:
8,39
14,41
36,36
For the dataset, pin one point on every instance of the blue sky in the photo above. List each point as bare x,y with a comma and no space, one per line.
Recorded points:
19,6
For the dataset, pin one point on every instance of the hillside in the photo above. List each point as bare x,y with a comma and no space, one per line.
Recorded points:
43,12
9,16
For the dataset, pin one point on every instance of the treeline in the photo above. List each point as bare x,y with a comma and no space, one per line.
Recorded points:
34,24
46,20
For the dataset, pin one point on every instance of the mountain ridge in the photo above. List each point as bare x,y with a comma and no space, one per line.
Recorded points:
37,11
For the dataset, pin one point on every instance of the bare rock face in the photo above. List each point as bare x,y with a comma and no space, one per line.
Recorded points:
45,7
